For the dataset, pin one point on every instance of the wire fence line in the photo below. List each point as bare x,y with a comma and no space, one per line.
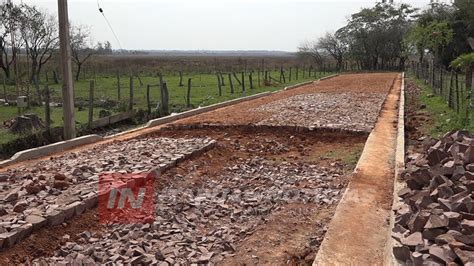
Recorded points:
448,84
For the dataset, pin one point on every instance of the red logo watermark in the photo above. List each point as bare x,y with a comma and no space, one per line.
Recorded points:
126,198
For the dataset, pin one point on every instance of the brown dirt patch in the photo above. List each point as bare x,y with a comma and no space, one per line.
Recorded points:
49,239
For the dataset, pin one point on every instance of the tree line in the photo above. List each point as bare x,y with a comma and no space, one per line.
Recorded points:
387,35
30,35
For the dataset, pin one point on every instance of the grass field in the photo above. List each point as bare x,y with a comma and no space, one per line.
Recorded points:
204,92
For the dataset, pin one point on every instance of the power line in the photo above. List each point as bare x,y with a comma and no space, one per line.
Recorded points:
101,10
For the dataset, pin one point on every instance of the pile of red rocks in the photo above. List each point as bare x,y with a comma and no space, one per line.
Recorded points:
435,222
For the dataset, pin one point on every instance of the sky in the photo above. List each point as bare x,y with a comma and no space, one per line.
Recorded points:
211,24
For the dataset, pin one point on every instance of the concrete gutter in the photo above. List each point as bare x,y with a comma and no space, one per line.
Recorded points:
329,77
172,118
397,184
357,233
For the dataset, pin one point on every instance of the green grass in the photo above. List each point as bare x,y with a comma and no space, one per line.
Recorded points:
444,118
204,92
350,158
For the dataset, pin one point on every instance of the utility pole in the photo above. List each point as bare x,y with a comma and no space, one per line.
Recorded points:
68,85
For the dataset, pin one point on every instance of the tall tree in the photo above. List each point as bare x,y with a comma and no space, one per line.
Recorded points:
375,35
9,23
311,50
39,32
81,47
334,45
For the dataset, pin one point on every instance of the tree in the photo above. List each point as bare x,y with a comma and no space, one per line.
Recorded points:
108,47
81,48
9,23
311,50
433,37
335,46
39,32
375,35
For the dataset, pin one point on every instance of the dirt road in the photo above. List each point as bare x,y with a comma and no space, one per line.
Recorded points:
263,194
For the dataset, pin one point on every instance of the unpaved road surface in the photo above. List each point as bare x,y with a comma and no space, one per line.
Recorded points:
264,194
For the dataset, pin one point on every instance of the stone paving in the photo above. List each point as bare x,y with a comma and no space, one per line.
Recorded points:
203,225
53,191
356,111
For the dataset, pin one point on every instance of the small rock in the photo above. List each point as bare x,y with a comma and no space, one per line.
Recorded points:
20,206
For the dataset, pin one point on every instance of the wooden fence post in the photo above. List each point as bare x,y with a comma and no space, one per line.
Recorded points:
251,81
165,100
236,78
231,84
243,82
222,79
457,92
258,77
55,77
37,87
188,94
281,73
181,79
5,89
118,85
304,71
297,73
91,102
219,84
148,104
450,92
289,77
130,106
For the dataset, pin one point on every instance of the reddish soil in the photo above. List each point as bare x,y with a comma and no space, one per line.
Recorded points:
45,241
291,235
299,228
417,117
242,113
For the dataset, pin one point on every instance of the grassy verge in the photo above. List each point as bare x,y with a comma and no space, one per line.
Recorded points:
444,118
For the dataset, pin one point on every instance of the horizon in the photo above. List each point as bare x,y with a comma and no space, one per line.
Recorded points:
210,25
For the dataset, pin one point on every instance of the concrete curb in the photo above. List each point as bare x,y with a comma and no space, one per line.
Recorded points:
64,145
329,77
389,259
359,247
299,85
172,118
51,148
